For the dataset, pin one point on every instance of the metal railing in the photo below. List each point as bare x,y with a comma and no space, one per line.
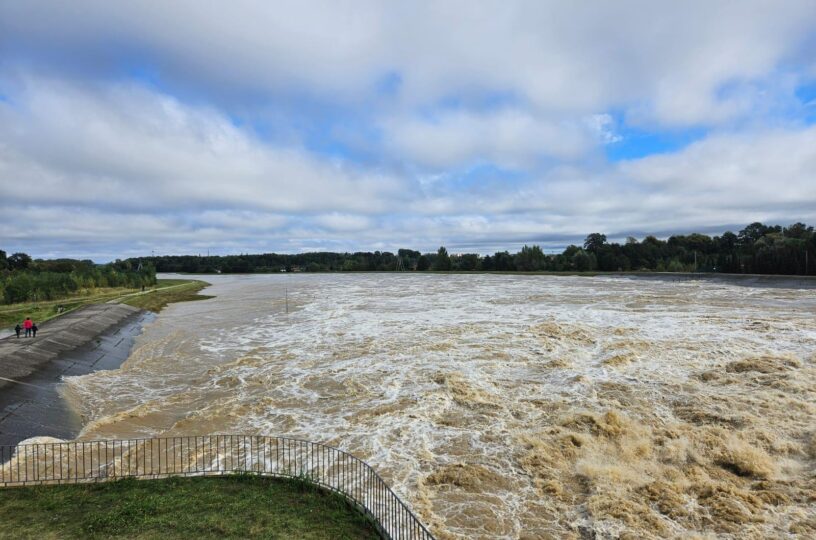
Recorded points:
319,464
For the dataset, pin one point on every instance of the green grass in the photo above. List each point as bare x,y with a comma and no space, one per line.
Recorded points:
168,292
42,311
199,508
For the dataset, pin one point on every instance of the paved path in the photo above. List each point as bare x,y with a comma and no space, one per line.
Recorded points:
21,357
94,337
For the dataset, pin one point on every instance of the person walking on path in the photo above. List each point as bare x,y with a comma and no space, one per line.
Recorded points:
27,324
17,330
34,330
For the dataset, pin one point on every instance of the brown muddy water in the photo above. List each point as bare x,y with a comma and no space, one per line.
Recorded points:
504,406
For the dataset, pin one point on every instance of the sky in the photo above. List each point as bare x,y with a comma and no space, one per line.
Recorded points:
187,127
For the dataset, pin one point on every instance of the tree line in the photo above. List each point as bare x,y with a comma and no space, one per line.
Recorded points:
23,279
756,249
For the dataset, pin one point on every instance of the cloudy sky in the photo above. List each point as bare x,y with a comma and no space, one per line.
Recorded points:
254,126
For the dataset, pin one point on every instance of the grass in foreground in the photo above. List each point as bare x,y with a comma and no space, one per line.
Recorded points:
168,291
231,507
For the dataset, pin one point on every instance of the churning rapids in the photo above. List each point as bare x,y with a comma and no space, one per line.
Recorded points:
504,406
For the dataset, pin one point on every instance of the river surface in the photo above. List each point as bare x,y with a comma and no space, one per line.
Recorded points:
504,406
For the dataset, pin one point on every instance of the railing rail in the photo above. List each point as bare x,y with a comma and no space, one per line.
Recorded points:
322,465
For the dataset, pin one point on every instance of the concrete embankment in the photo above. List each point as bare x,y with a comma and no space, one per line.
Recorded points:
89,339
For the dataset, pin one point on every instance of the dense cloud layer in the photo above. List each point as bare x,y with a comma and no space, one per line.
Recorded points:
182,127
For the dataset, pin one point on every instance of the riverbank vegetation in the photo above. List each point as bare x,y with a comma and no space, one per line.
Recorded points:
232,507
170,291
25,280
756,249
153,298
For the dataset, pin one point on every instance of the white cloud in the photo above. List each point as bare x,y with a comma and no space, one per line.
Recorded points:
128,136
129,148
773,169
344,223
509,138
667,61
603,125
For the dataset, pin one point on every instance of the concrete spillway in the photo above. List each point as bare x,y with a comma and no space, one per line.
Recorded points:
19,358
89,339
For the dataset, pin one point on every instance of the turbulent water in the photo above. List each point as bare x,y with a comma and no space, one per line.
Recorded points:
504,406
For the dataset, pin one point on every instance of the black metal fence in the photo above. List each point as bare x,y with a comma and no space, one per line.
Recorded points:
324,466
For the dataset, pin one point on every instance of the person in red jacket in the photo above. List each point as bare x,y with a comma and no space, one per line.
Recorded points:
27,324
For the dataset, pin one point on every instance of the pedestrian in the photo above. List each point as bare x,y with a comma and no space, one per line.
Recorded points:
17,330
34,330
27,324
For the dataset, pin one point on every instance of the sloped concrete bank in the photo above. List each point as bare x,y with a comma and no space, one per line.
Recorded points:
92,338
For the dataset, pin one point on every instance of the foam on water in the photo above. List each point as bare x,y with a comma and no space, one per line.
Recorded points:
504,406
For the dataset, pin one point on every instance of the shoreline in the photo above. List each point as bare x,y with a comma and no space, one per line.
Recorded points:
93,338
744,280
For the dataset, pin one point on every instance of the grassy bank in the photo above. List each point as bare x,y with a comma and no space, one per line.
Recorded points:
167,292
153,298
232,507
42,311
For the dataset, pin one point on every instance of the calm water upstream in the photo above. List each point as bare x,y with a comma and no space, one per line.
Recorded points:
504,406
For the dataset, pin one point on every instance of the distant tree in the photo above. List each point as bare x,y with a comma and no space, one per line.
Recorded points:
3,262
443,261
757,248
19,261
752,233
675,266
727,242
465,262
594,242
503,261
409,258
798,230
699,242
570,251
530,258
583,261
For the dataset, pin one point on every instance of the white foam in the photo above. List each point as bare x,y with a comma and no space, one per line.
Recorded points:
353,345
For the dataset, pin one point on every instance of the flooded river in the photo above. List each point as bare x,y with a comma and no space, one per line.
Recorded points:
504,406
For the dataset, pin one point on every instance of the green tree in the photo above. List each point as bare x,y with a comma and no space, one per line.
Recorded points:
530,259
465,261
798,230
752,233
443,261
583,261
503,261
594,242
19,261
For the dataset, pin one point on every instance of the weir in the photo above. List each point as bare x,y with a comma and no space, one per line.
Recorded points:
324,466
